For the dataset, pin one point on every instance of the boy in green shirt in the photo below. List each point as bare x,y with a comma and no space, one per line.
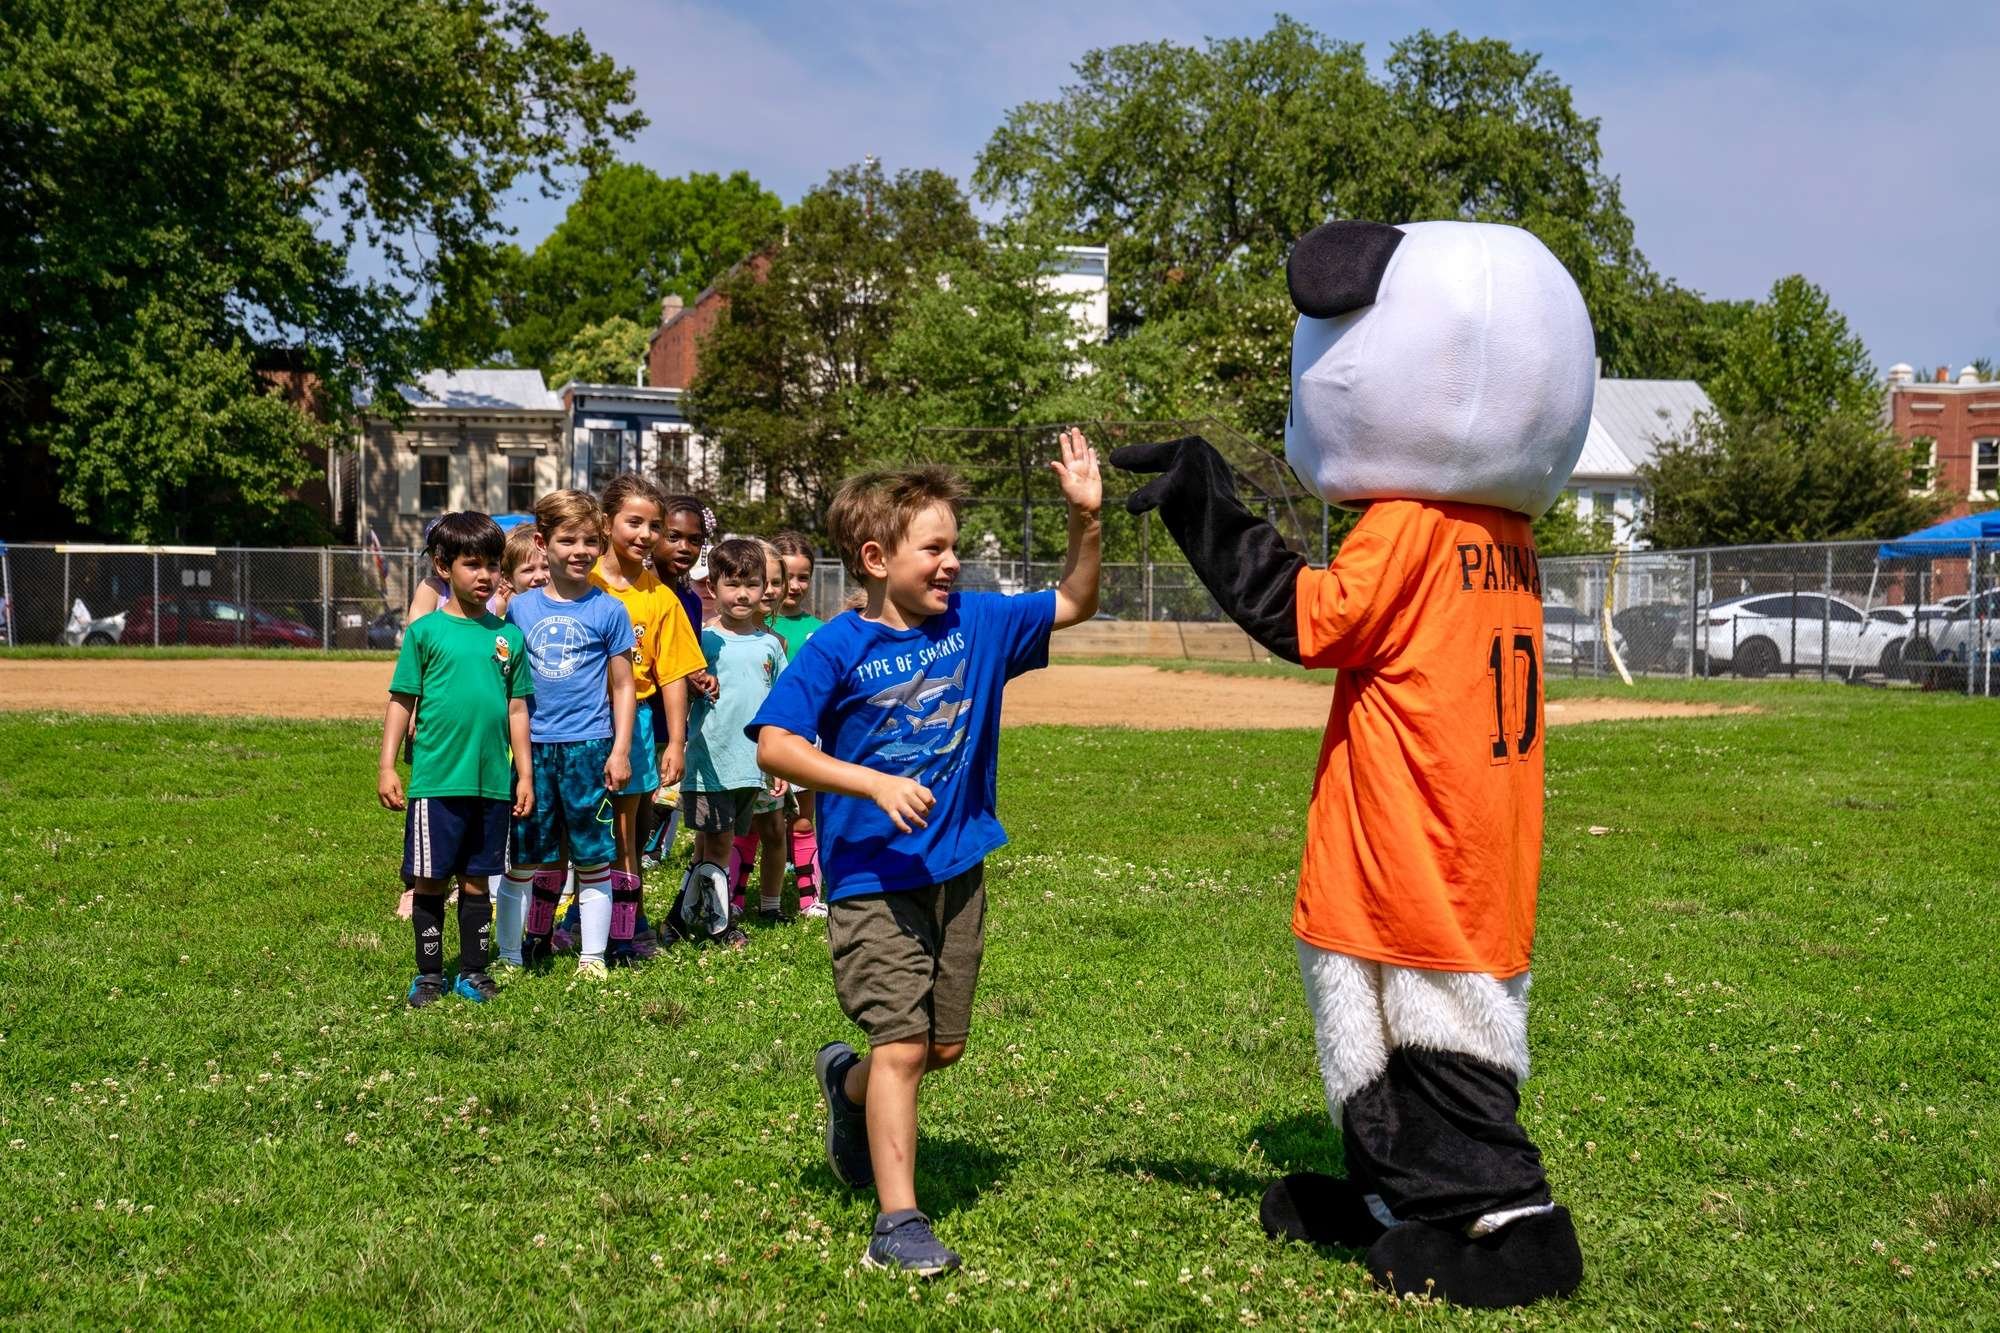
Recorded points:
469,668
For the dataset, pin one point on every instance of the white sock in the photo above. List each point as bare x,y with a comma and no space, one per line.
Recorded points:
510,906
1488,1223
593,910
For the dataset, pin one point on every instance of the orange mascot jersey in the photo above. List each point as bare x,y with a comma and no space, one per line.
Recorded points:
1424,843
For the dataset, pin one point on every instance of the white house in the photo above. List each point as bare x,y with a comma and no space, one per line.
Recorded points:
490,440
1628,420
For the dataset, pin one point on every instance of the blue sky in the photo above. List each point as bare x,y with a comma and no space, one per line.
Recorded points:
1859,145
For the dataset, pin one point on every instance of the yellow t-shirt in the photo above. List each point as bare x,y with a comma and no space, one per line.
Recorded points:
1424,845
666,647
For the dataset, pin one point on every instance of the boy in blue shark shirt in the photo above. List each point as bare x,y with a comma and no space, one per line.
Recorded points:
905,697
580,722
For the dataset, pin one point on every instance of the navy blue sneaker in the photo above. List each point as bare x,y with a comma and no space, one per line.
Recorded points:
846,1123
903,1243
476,987
426,990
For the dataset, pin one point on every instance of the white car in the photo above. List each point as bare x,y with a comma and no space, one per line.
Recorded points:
86,631
1574,638
1948,648
1766,632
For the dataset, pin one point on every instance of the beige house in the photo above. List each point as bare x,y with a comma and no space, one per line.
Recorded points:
490,440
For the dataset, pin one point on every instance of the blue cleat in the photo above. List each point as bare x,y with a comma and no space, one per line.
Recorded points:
903,1243
476,987
426,990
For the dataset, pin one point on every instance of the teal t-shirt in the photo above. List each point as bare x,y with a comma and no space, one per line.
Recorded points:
463,672
720,757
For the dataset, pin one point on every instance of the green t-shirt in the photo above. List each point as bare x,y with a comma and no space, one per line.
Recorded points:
463,672
795,630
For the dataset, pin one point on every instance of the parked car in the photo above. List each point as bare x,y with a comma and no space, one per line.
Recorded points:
87,631
1573,638
212,622
386,630
1656,636
1766,632
1941,655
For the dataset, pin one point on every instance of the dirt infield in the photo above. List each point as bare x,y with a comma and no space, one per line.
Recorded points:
1129,696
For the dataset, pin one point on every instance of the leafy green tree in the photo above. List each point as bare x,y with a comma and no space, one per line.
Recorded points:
1793,360
788,375
184,185
630,238
1565,531
1201,165
607,352
1734,481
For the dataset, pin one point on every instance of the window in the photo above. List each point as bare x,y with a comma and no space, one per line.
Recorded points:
1985,466
1807,607
1923,462
673,459
520,483
1771,606
434,483
604,460
1889,616
1604,504
1841,613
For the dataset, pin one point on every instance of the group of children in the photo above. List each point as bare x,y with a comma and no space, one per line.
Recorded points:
556,723
587,620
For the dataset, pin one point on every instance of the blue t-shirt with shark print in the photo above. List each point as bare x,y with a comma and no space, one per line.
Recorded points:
921,703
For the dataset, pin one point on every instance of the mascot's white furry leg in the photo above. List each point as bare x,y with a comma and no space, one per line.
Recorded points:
1444,1189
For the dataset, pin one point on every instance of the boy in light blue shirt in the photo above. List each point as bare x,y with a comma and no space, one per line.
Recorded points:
722,785
579,649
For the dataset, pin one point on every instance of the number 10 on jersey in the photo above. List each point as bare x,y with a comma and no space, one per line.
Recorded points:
1516,669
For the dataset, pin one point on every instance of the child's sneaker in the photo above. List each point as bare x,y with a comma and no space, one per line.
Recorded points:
426,990
903,1243
591,969
813,908
635,952
731,938
562,941
773,916
846,1124
476,987
505,972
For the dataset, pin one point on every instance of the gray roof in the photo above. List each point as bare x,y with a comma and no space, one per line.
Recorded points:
1631,417
482,390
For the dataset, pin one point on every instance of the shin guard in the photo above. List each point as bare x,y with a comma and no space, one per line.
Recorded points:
625,890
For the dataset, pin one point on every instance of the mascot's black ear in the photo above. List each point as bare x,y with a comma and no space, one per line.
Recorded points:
1337,266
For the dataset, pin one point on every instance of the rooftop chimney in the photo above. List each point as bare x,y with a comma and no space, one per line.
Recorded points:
670,305
1943,375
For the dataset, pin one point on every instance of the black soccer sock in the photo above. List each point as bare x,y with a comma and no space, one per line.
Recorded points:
475,931
427,920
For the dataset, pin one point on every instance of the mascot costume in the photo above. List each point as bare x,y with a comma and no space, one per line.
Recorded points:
1442,375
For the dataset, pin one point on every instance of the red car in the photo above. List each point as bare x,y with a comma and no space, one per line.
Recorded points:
212,623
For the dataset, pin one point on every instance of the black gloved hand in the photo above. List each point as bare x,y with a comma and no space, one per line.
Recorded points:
1238,557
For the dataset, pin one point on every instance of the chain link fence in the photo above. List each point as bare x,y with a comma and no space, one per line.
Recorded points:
1857,612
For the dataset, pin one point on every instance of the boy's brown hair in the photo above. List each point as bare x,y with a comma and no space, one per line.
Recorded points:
520,545
739,558
880,506
560,507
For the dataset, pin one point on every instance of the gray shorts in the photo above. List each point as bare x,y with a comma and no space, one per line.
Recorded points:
905,964
720,811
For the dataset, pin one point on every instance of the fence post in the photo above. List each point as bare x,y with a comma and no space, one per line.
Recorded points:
7,594
1826,617
1973,626
156,599
65,600
242,596
1792,657
325,599
1146,560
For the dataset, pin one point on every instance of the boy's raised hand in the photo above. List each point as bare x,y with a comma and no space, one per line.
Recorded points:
1077,474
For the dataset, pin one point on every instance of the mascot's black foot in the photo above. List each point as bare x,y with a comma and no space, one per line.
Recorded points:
1321,1210
1517,1265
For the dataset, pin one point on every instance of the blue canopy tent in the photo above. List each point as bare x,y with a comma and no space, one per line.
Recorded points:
508,522
1954,536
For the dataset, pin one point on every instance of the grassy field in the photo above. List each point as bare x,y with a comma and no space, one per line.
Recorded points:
1762,1025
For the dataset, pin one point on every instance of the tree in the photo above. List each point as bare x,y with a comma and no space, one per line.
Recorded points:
630,238
607,352
184,185
788,373
1792,360
1733,481
1201,166
1564,531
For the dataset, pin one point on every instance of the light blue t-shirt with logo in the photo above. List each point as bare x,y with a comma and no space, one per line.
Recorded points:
570,647
719,756
921,703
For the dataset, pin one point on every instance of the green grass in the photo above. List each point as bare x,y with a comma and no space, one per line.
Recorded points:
1762,1028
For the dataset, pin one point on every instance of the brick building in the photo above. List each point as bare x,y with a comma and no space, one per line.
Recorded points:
1952,426
671,354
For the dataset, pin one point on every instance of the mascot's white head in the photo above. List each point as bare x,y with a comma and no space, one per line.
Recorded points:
1436,361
